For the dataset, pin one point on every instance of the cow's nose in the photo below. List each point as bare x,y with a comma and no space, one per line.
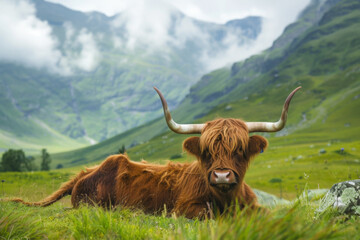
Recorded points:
222,177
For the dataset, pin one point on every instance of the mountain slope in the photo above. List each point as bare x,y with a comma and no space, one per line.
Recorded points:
324,60
20,97
100,84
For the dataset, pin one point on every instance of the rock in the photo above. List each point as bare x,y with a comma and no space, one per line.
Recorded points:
322,151
269,200
344,197
314,194
228,107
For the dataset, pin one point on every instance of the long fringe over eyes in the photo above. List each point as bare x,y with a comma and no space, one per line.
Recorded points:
223,137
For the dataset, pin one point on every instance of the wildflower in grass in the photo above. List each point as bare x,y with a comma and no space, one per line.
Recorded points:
306,176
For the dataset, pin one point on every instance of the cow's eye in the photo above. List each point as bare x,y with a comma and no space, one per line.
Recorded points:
239,153
206,156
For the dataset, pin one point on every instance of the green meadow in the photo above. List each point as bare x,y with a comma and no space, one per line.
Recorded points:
319,146
299,220
301,166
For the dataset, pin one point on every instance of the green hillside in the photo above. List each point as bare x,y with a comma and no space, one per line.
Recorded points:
259,91
21,94
83,103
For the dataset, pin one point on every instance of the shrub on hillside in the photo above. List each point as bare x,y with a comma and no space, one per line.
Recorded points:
16,161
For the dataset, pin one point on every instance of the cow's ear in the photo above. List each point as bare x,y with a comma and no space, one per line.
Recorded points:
257,144
192,145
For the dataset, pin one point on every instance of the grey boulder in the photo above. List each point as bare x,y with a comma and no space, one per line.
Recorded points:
343,197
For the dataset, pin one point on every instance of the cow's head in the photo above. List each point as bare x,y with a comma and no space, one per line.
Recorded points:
225,148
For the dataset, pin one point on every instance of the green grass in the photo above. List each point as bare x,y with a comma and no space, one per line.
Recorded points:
299,220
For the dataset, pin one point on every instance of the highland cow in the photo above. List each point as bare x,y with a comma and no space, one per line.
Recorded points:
223,151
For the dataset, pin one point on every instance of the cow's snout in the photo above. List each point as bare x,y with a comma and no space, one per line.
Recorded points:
222,176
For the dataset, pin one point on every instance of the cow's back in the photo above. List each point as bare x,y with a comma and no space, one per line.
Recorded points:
146,186
120,181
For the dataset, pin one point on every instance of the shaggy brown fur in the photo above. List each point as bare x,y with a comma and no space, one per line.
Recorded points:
184,188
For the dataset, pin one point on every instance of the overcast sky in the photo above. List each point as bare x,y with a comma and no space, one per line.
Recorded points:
150,14
219,11
145,18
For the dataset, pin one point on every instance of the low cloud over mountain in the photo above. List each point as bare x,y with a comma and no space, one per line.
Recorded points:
30,41
155,26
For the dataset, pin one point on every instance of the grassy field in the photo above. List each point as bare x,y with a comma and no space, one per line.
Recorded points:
300,165
296,221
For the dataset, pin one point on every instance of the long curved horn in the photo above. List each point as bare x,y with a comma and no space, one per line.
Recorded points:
273,126
178,128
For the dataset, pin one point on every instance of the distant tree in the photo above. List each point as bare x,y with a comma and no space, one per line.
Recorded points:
59,166
175,156
16,161
122,150
29,164
13,160
45,160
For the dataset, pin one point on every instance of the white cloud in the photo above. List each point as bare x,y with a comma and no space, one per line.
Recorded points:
24,38
225,10
88,57
232,52
218,11
108,7
186,30
28,41
148,21
276,16
80,50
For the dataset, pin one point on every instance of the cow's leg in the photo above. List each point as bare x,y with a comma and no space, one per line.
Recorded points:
82,193
97,188
247,199
247,196
193,209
